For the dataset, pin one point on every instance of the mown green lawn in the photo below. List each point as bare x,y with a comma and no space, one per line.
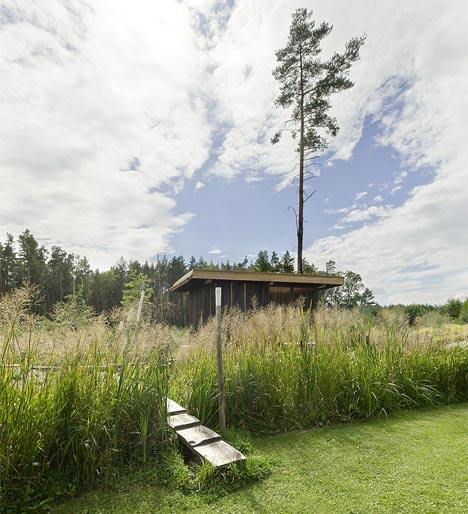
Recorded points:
415,462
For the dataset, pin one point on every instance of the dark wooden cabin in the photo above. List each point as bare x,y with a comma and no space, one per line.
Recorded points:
244,289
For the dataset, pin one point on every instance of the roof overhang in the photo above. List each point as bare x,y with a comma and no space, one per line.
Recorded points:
193,276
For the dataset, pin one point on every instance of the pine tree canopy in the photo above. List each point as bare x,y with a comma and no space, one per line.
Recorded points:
306,81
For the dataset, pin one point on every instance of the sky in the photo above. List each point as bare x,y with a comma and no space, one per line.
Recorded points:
141,128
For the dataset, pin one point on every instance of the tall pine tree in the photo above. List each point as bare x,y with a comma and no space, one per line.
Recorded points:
306,84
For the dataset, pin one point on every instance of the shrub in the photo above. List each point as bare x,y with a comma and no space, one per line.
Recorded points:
415,311
453,308
464,311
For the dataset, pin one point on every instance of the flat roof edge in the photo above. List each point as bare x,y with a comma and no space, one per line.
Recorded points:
257,276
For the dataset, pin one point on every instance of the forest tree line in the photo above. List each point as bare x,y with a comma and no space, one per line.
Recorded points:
58,274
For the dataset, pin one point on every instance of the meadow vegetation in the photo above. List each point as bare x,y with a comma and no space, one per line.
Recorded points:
75,402
82,395
286,371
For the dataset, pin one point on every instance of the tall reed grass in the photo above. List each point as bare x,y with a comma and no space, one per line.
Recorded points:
284,372
80,396
65,425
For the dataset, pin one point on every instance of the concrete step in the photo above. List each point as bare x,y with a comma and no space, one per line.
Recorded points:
174,408
202,441
182,420
194,436
219,453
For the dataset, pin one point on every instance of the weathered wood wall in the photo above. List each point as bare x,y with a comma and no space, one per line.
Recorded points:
200,299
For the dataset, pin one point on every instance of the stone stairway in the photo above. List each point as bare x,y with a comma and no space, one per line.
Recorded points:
202,441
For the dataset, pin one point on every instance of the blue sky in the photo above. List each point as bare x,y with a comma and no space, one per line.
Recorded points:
132,130
227,212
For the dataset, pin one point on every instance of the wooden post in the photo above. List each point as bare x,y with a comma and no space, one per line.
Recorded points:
219,358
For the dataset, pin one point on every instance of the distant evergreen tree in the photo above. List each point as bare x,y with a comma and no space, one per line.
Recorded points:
275,261
262,262
202,263
367,298
176,269
8,266
308,267
241,266
287,263
135,284
60,279
32,260
83,278
134,266
192,263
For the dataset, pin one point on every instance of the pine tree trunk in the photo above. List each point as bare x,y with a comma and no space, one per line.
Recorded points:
300,220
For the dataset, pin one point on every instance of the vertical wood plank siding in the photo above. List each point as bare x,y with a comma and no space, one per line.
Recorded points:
200,299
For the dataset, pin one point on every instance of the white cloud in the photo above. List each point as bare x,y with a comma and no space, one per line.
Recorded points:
87,93
412,81
400,177
360,195
418,252
199,185
367,213
398,182
341,210
215,251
